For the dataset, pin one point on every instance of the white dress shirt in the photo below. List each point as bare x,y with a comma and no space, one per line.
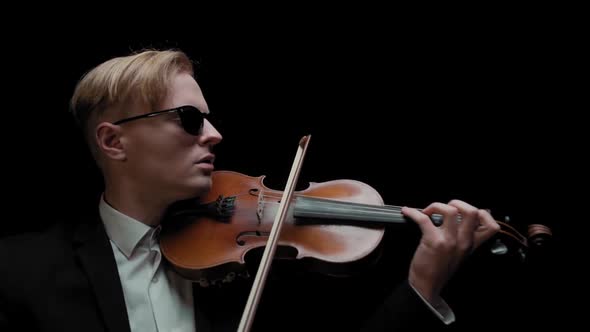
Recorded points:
441,309
157,299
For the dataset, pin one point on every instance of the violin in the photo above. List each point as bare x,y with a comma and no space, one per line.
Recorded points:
336,226
335,223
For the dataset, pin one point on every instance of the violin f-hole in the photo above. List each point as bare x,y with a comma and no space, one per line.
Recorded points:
241,238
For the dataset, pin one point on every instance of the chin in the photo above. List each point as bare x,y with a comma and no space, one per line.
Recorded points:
197,188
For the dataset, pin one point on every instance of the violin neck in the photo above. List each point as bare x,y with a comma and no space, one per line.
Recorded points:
311,208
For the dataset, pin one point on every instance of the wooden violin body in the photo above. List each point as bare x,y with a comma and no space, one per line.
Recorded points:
208,242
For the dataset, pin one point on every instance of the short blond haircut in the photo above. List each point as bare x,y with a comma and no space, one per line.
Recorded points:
142,77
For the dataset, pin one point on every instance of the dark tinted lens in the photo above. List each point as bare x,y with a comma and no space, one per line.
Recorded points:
192,120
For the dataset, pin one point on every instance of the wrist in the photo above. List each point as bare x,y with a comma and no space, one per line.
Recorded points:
424,289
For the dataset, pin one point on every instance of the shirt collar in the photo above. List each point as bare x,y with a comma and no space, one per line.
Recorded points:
125,232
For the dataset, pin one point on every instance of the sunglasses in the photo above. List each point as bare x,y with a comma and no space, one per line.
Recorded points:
190,117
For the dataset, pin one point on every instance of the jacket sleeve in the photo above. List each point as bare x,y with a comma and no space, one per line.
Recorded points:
3,318
404,310
12,313
8,319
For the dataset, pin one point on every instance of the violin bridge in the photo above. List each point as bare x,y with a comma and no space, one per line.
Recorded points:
260,207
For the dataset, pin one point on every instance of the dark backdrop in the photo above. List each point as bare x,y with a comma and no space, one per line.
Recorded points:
421,116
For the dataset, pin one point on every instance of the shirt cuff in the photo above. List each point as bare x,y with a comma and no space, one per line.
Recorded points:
441,309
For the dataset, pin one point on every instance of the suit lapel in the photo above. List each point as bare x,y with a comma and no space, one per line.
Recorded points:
95,254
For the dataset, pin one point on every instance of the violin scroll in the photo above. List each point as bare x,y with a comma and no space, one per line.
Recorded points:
539,234
510,239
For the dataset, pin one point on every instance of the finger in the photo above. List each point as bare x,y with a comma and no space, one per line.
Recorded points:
468,214
449,213
488,228
467,226
419,218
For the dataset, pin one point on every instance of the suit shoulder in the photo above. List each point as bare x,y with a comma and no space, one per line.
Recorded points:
32,247
18,240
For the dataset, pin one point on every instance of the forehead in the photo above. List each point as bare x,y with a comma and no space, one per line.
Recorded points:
184,90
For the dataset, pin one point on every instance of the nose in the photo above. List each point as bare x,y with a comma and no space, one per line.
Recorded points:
210,135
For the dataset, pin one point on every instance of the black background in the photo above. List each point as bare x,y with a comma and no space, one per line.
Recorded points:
424,112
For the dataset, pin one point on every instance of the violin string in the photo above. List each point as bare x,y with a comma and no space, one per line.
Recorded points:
519,237
394,209
384,207
368,207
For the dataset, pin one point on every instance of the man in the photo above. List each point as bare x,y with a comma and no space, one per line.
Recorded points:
145,120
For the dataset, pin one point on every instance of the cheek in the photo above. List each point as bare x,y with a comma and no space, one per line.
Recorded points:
171,158
160,148
159,156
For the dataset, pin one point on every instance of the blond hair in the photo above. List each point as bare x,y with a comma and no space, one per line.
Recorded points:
140,77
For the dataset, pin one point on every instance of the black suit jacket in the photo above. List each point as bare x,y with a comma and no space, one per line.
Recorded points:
66,279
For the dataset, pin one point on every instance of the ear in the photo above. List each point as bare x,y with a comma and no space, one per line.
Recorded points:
108,138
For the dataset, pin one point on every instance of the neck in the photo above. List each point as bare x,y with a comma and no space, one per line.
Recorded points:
312,208
135,203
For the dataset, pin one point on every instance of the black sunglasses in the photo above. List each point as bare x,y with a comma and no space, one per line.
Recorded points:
190,117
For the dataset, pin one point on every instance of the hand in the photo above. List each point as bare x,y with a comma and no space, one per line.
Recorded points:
442,248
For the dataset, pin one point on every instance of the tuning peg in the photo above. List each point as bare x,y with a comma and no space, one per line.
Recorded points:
499,248
522,253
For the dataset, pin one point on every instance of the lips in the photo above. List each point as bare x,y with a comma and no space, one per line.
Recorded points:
208,159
